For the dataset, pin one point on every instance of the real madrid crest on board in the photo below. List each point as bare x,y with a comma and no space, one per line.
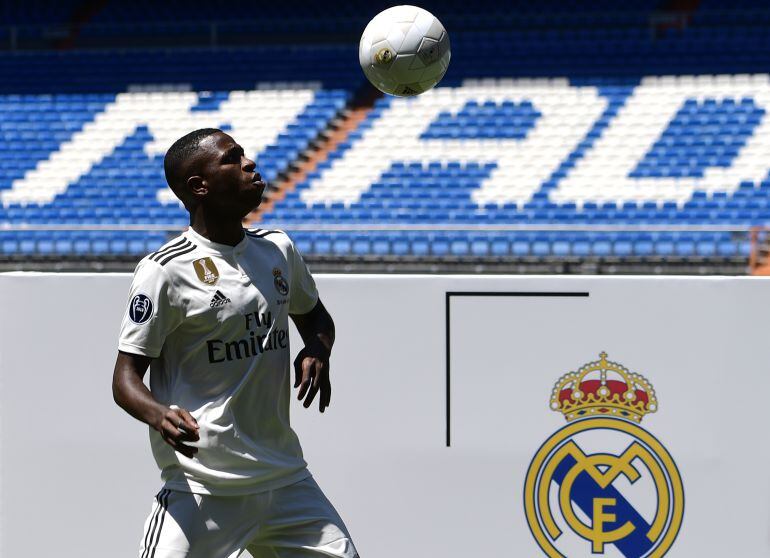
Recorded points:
280,282
603,484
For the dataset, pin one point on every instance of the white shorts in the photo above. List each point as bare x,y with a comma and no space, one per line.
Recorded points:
296,521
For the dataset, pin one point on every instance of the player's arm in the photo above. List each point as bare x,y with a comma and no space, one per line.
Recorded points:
311,367
175,425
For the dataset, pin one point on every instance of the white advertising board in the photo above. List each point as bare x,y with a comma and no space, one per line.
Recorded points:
441,439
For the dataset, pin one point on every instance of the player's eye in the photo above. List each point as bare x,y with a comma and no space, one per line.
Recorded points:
233,157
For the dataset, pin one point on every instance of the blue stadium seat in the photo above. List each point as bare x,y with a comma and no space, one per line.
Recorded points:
399,245
459,247
581,248
361,245
322,244
137,247
601,248
706,248
63,246
100,246
420,246
541,245
561,248
643,247
342,246
685,246
500,247
440,245
27,246
704,133
9,245
118,246
479,246
727,248
380,245
664,247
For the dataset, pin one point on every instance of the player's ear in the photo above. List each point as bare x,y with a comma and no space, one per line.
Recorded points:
197,186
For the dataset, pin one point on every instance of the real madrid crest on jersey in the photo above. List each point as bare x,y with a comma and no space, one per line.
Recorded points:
280,282
603,484
206,270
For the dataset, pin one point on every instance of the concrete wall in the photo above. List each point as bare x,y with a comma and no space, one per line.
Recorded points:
77,477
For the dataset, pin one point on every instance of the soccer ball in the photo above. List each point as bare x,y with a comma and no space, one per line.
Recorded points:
404,51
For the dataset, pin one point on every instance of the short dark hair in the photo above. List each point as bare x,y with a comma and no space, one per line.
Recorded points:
178,154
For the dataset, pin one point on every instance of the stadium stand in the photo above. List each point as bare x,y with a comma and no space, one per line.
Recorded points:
37,12
307,21
106,171
592,167
481,189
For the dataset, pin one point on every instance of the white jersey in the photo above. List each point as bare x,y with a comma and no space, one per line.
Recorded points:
215,320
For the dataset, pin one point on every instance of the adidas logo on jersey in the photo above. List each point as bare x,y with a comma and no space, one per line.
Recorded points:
219,300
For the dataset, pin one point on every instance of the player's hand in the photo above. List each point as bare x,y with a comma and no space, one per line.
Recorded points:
177,426
311,376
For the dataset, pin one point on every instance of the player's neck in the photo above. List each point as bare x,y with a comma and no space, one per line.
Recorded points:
229,232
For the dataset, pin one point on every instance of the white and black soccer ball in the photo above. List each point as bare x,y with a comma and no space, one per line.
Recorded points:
404,51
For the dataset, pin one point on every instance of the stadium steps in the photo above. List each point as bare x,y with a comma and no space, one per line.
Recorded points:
759,260
81,15
673,14
328,140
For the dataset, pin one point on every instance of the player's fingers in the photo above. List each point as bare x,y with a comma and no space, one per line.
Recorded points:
169,428
307,377
188,435
315,385
319,380
323,399
298,369
174,428
188,424
174,438
311,393
326,396
180,418
323,385
184,425
320,369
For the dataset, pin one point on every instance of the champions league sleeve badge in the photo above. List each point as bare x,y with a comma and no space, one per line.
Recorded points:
140,309
603,484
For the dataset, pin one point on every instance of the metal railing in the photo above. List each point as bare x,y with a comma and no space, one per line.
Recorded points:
431,260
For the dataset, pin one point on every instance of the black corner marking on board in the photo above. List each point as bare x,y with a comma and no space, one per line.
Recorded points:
447,319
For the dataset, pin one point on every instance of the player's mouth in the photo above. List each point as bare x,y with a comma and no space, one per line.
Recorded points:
257,181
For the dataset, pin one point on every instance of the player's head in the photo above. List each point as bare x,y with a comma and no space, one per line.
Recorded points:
208,168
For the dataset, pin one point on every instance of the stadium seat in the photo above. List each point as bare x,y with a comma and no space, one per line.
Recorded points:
116,177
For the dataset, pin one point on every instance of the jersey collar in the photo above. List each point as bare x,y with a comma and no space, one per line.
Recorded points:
215,247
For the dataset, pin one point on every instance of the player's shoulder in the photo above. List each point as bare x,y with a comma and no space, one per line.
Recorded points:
274,236
179,249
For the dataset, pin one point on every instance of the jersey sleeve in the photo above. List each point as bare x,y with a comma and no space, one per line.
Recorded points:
304,294
152,312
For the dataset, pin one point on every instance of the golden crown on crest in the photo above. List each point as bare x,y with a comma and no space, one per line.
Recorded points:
603,388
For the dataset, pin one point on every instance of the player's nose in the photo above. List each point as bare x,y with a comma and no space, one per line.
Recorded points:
249,165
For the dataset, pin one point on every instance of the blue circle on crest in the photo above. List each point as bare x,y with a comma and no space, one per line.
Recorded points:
141,308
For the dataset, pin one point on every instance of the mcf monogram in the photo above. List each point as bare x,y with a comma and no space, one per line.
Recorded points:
603,401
